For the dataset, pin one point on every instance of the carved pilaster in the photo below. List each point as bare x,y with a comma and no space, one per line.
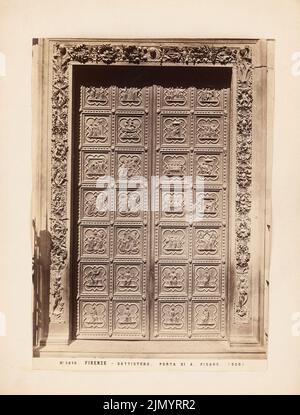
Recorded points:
59,159
243,185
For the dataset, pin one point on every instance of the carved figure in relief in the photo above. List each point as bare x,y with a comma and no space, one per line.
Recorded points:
96,129
173,241
206,278
128,241
93,315
207,241
206,316
60,178
57,299
94,277
127,278
127,316
210,201
173,202
175,129
129,166
90,205
175,96
130,129
208,130
242,300
102,202
208,97
96,203
95,241
173,279
134,202
130,96
172,316
129,203
96,96
96,167
208,166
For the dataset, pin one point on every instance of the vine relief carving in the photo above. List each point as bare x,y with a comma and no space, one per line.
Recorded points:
243,184
136,54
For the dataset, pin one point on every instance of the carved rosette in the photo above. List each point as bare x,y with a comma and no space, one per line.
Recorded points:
133,54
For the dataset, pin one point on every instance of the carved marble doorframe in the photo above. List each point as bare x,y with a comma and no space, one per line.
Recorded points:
251,125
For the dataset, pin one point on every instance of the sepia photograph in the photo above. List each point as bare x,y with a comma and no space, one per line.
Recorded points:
149,187
151,205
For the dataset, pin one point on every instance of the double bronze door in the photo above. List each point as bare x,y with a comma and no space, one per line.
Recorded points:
151,194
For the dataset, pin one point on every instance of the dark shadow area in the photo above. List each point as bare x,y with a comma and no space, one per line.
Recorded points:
166,76
41,286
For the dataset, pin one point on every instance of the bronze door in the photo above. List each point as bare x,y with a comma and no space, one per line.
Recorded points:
152,217
190,223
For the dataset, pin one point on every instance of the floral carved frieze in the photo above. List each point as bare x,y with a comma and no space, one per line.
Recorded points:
109,54
132,130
